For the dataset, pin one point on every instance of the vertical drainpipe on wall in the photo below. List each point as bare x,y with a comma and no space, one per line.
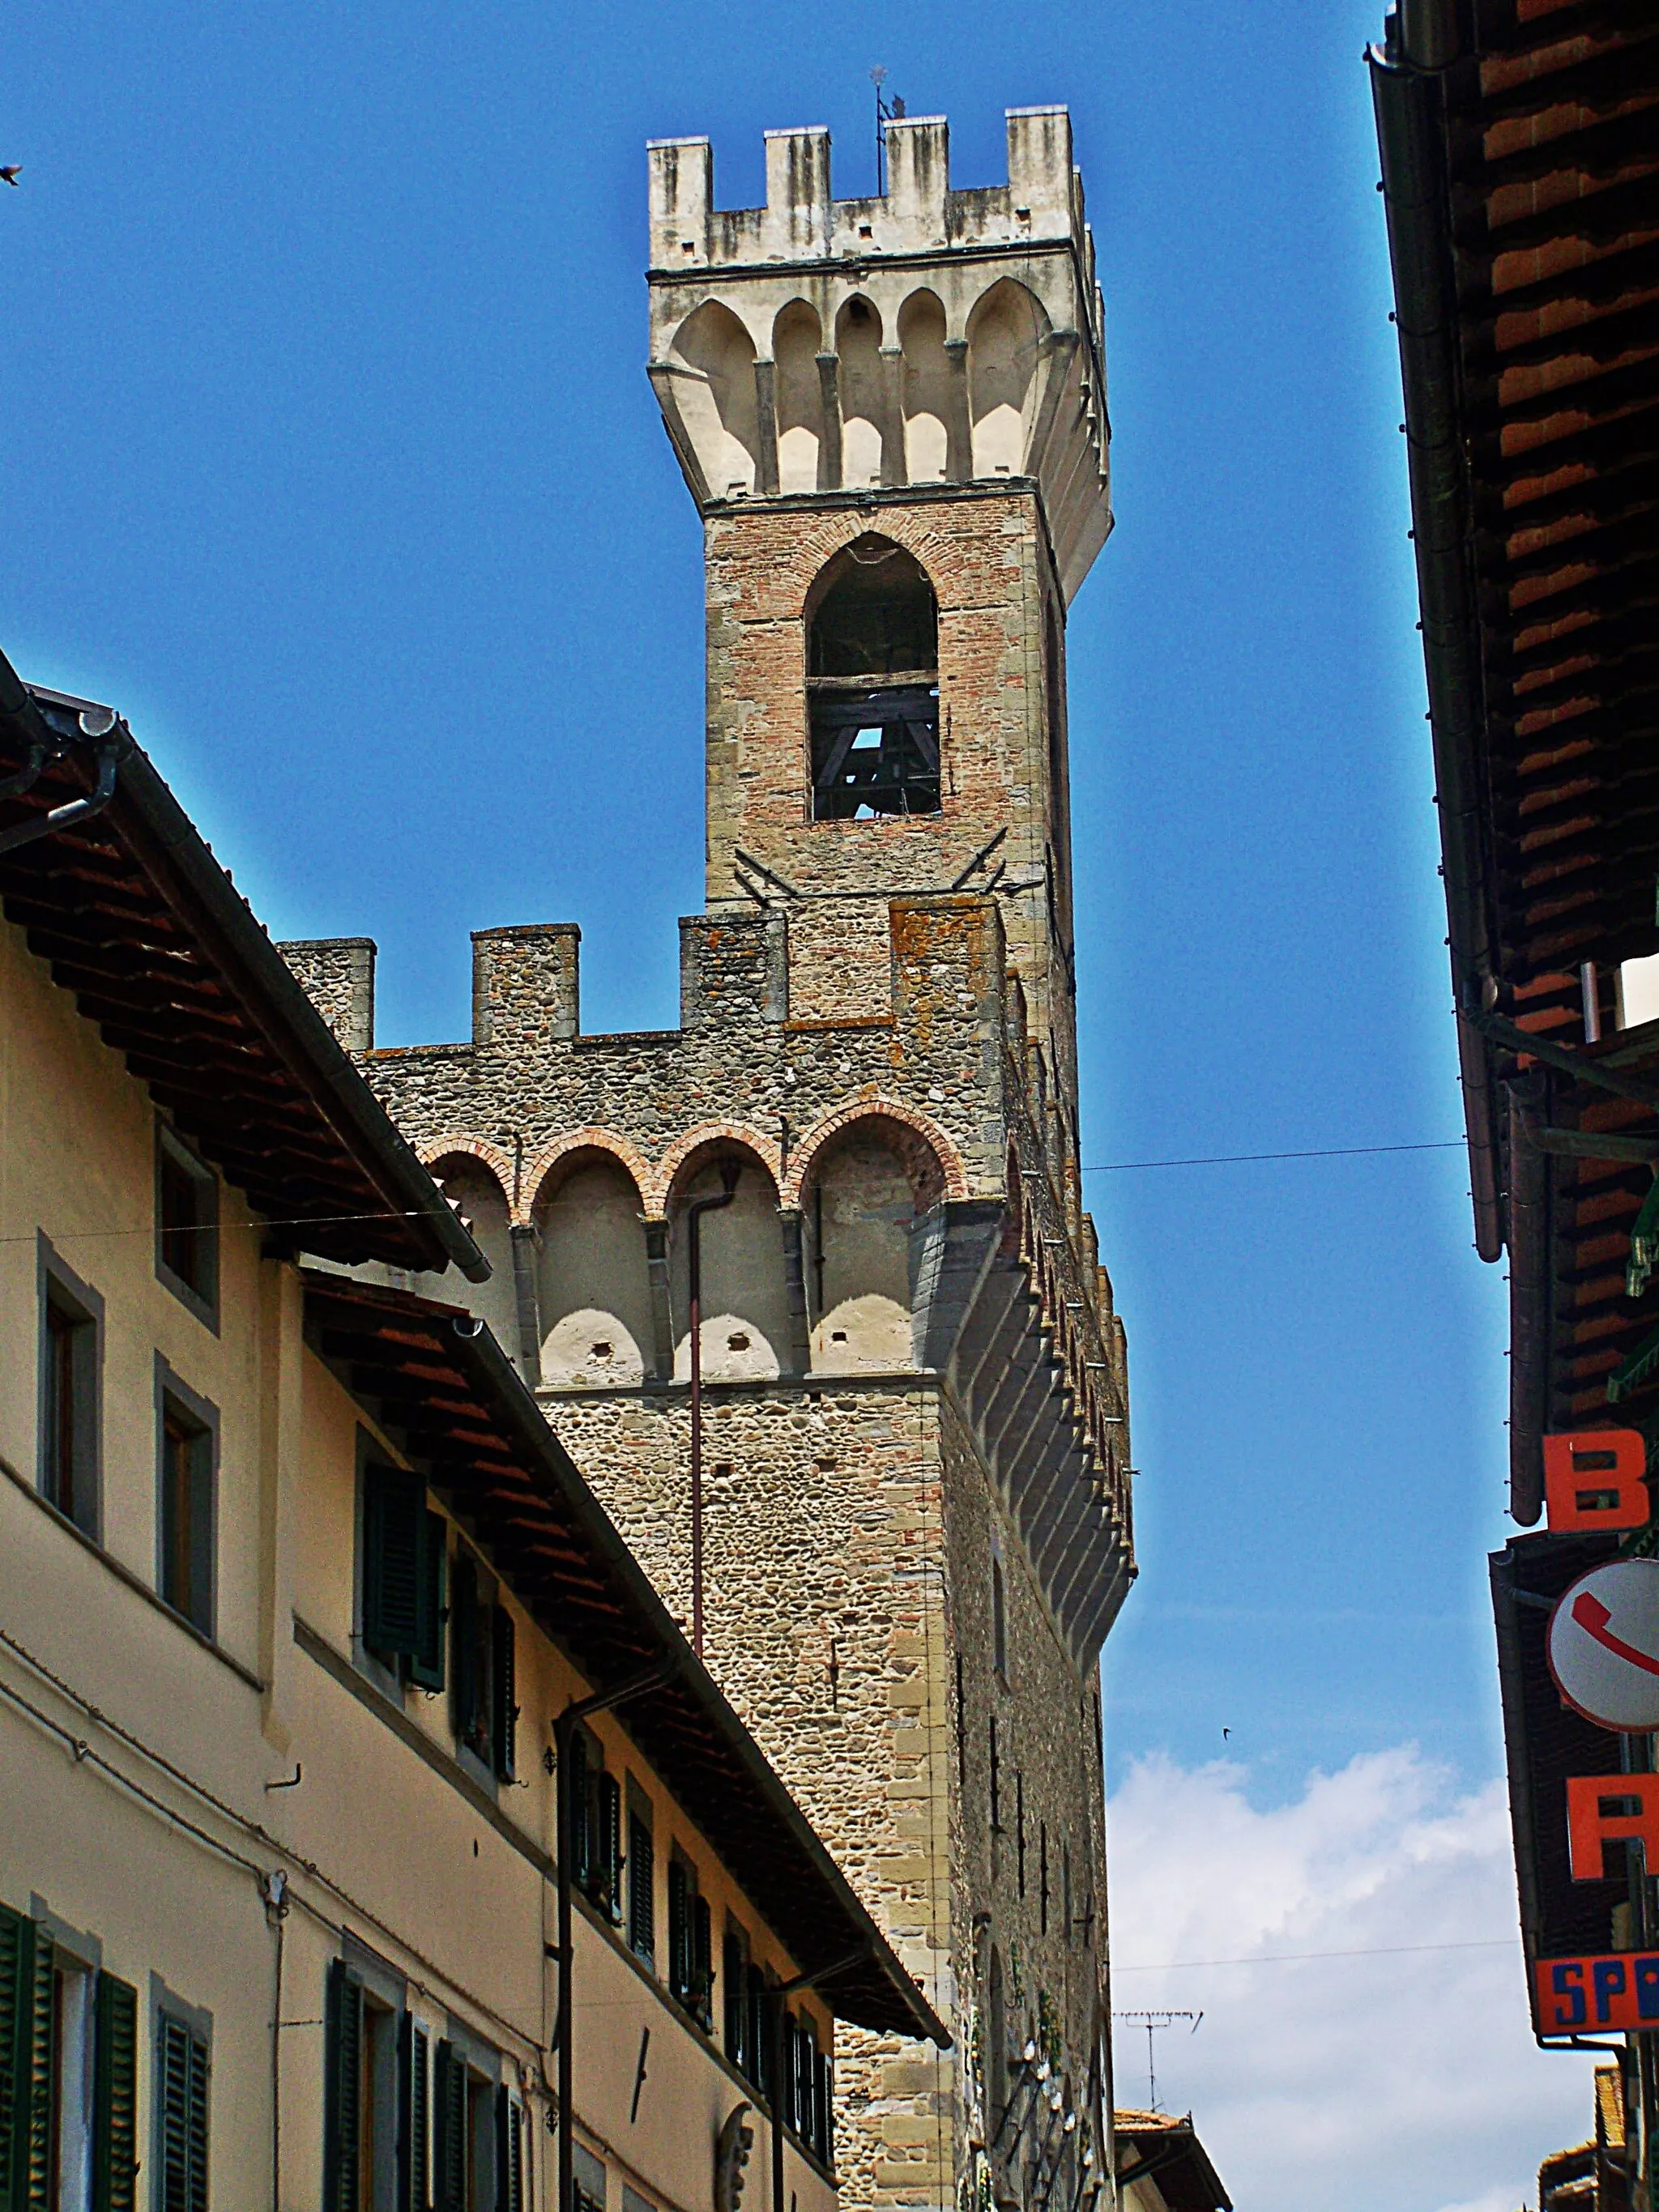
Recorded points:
523,1237
730,1171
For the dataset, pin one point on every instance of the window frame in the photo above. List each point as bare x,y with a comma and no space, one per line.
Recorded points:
174,1398
57,1287
202,1298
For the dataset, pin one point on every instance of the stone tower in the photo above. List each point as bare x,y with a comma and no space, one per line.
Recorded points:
916,1515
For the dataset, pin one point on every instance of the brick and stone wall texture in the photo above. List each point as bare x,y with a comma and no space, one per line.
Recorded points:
849,1534
985,553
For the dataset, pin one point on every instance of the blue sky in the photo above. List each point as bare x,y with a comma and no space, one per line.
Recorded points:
328,454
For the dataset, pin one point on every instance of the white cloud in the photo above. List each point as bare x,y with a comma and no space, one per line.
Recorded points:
1398,2081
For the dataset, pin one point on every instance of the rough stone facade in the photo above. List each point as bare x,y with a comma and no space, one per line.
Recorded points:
915,1443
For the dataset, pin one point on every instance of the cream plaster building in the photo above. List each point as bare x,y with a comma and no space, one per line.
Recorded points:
312,1640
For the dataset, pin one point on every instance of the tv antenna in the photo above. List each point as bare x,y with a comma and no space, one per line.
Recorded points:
886,111
1151,2022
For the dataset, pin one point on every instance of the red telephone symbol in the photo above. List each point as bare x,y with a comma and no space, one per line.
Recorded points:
1592,1616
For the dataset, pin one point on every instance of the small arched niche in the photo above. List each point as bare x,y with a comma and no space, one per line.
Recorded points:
863,386
745,1320
1004,332
927,388
713,360
479,1199
592,1279
867,1190
797,396
872,684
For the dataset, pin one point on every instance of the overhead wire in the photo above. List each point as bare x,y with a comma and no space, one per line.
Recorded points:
1298,1958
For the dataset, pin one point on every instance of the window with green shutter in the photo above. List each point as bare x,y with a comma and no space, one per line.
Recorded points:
642,1896
413,2116
679,1929
181,2117
26,2063
426,1661
115,2097
509,2153
503,1689
394,1516
342,2090
451,2149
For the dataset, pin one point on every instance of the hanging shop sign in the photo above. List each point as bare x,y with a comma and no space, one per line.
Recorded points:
1620,1989
1603,1645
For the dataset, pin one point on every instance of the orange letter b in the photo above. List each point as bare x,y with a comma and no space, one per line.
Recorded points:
1589,1826
1595,1480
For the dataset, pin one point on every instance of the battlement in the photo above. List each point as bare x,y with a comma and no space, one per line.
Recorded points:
1042,199
923,337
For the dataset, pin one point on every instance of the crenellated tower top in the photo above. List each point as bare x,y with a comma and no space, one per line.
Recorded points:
923,339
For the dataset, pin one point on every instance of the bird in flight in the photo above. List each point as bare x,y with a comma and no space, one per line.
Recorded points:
1225,1733
12,172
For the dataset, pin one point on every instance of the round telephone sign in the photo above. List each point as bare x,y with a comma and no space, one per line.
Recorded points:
1604,1646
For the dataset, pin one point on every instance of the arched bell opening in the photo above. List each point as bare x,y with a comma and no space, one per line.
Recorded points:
872,684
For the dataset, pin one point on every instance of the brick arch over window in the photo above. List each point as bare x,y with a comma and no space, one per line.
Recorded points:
796,579
688,1153
557,1159
946,1159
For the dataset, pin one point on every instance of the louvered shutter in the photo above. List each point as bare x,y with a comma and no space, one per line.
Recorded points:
737,2039
509,2153
182,2109
16,2025
702,1964
805,2058
760,2031
641,1890
115,2097
608,1797
466,1686
343,2092
449,2131
426,1661
679,1930
394,1517
39,2118
414,2117
824,2102
577,1795
503,1687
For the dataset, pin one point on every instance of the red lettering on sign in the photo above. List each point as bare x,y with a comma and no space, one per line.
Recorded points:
1595,1479
1610,1808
